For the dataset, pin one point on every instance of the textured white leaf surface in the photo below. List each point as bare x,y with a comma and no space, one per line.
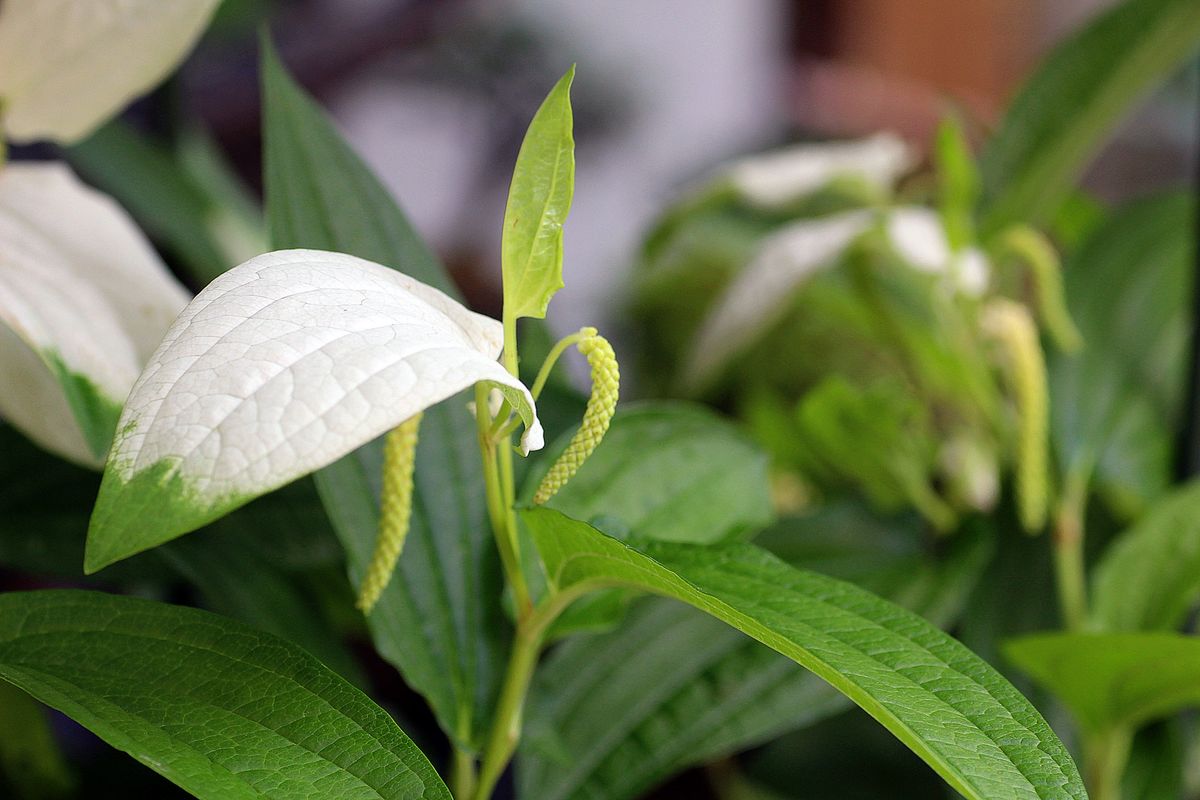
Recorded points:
68,65
280,367
761,292
784,176
81,292
917,236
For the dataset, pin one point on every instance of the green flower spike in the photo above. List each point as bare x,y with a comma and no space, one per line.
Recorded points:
606,380
399,458
1010,325
1032,247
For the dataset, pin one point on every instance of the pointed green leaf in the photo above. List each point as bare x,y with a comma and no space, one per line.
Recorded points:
944,703
1149,577
439,621
538,202
1069,107
611,715
222,710
1114,680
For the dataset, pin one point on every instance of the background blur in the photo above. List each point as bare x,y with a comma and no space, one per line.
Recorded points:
435,94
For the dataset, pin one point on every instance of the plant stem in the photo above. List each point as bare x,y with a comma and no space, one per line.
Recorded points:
500,502
1105,756
506,725
1069,567
462,777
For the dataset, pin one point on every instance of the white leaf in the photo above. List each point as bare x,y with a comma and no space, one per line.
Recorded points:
761,292
919,239
785,176
280,367
83,300
68,65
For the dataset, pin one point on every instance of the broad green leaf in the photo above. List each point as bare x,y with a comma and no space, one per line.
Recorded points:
31,765
72,256
1149,577
1069,107
1113,405
1113,679
668,471
611,715
206,225
281,366
539,199
944,703
221,709
439,621
65,67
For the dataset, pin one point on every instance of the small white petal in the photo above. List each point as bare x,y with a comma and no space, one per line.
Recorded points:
917,236
84,292
68,65
776,179
761,292
280,367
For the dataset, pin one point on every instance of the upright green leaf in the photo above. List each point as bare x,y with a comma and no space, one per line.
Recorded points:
958,182
222,710
1069,107
944,703
1114,404
611,715
1149,577
439,621
1117,679
543,181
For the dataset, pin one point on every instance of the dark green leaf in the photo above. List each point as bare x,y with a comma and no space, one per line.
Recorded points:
439,621
611,715
221,709
1070,106
1113,405
1113,679
944,703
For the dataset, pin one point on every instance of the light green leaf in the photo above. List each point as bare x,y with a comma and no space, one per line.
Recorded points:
944,703
1113,405
539,199
1116,679
222,710
1150,575
669,471
958,182
1069,107
439,621
611,715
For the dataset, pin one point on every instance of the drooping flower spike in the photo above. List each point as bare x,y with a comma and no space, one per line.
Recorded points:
280,367
395,511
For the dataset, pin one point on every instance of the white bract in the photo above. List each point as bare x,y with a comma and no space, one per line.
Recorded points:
918,237
84,300
68,65
776,179
280,367
762,291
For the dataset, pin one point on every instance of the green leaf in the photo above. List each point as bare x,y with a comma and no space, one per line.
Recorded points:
958,182
944,703
611,715
31,764
539,199
1149,577
1069,107
439,621
1114,404
1112,680
221,709
669,471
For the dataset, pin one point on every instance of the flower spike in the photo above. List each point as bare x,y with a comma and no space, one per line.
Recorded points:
399,461
606,380
1032,247
1010,325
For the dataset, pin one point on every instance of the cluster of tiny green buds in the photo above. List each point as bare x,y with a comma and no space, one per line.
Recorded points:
1010,325
399,459
606,380
1032,247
